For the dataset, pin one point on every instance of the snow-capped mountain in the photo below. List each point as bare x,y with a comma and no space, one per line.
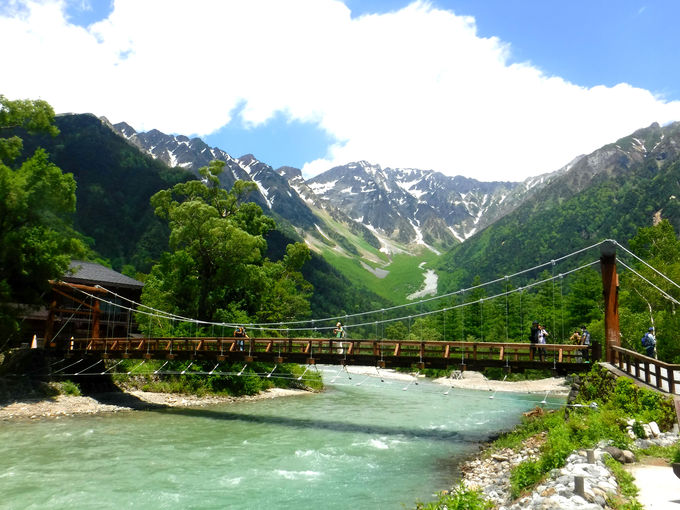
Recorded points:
390,209
415,206
274,193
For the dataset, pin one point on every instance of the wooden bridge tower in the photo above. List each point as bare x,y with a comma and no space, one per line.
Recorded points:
610,289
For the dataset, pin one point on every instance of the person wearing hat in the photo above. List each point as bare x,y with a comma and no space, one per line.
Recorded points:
649,343
339,332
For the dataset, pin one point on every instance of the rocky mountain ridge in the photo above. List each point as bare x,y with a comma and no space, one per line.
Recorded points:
390,209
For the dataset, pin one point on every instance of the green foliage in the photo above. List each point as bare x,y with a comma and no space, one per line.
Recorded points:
461,498
499,373
114,183
184,377
69,388
216,270
630,400
37,202
617,400
526,475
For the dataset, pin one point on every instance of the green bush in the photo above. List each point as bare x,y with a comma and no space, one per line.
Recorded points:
461,498
197,380
617,401
70,388
525,475
675,456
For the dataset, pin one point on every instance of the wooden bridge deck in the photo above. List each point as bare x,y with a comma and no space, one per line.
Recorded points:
382,353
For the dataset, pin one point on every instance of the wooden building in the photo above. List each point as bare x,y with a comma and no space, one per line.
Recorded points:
84,304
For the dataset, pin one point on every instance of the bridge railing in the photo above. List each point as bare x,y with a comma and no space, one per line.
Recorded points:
651,371
315,347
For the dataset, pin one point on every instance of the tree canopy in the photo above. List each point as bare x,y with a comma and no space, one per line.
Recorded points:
37,202
216,268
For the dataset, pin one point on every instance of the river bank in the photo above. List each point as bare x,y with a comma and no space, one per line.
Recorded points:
469,380
134,400
69,405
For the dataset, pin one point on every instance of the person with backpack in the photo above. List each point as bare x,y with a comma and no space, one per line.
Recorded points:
585,341
649,343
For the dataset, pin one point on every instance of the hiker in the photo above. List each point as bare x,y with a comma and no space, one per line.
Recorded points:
240,332
649,343
585,341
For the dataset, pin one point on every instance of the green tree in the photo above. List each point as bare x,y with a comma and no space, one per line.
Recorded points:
37,201
643,305
216,270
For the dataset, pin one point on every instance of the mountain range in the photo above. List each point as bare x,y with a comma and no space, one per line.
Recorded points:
365,219
393,210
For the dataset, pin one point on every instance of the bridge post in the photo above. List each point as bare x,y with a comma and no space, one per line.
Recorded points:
610,290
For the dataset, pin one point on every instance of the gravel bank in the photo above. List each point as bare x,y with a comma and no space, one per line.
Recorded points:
469,380
66,405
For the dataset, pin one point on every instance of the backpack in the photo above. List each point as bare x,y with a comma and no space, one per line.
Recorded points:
645,340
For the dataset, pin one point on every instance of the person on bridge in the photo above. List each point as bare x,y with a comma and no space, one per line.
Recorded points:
649,343
533,338
585,341
240,332
575,339
542,340
339,332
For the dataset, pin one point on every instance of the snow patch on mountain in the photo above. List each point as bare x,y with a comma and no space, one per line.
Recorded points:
322,188
429,286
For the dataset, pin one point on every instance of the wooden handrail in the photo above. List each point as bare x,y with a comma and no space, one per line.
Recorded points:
630,361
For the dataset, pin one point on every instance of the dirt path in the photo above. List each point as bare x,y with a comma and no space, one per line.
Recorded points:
659,487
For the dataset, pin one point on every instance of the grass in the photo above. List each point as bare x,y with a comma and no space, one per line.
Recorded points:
404,277
196,382
462,498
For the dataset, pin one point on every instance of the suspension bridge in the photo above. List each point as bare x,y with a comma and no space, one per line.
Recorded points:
320,347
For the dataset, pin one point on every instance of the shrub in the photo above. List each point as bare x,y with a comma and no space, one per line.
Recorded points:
70,388
461,498
525,475
675,456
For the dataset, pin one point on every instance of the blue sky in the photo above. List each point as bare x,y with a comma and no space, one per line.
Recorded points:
314,83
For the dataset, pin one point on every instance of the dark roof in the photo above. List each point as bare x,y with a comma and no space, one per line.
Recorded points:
89,273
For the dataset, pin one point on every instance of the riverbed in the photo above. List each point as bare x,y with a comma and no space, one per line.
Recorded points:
365,442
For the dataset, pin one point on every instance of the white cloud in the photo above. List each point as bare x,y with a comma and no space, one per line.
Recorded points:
412,88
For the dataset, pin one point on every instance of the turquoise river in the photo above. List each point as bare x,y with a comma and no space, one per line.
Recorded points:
361,444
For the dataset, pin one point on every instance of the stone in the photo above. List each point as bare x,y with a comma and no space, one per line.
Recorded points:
654,427
615,452
628,457
648,431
